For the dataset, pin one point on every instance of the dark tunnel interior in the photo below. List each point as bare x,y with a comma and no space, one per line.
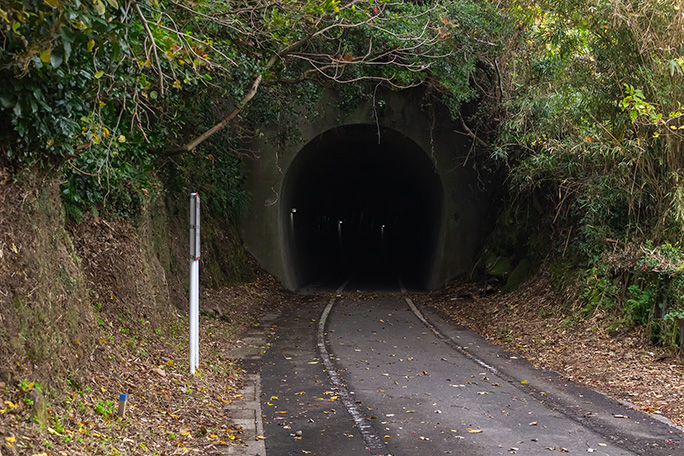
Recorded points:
353,207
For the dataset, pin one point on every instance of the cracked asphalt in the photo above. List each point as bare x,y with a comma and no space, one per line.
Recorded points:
445,391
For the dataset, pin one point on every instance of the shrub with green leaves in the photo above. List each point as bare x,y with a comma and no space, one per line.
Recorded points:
106,91
591,136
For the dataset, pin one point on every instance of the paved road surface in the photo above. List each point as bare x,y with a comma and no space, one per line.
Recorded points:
413,389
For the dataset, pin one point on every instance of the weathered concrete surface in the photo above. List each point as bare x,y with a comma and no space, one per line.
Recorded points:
245,413
398,115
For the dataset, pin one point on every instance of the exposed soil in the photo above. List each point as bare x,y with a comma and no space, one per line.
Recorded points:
92,310
535,323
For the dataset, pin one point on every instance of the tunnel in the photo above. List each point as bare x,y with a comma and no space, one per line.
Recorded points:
365,203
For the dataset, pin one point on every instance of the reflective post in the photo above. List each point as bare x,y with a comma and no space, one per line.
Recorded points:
194,280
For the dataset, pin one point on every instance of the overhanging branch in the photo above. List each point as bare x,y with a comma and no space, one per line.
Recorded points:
243,103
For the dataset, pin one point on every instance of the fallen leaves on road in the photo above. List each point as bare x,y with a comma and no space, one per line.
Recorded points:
535,324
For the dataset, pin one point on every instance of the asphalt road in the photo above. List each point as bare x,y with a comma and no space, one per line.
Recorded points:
409,387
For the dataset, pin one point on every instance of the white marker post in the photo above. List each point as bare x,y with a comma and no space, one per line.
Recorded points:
194,280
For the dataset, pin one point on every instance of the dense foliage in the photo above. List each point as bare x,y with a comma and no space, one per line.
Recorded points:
103,90
593,137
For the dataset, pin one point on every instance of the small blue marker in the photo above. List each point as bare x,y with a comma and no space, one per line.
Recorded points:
122,405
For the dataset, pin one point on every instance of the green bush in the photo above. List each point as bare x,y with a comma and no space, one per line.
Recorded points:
639,305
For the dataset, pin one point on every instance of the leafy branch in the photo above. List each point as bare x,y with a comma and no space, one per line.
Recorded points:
412,52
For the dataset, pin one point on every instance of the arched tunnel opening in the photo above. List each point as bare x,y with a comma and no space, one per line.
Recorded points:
354,206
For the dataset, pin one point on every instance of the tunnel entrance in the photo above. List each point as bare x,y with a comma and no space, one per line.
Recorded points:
353,206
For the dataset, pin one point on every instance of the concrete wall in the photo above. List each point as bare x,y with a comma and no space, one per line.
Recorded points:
461,230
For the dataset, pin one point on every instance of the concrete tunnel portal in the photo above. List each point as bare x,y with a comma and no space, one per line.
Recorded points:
375,193
363,202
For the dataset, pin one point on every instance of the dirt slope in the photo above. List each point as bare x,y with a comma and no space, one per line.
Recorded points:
92,310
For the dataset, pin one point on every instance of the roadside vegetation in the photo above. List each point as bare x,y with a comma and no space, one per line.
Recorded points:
111,109
591,141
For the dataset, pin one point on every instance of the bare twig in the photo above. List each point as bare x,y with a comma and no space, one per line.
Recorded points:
245,100
153,44
468,132
83,172
498,76
333,66
226,120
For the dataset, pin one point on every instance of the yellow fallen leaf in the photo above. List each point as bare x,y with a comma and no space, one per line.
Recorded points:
410,411
10,440
274,398
474,431
524,382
